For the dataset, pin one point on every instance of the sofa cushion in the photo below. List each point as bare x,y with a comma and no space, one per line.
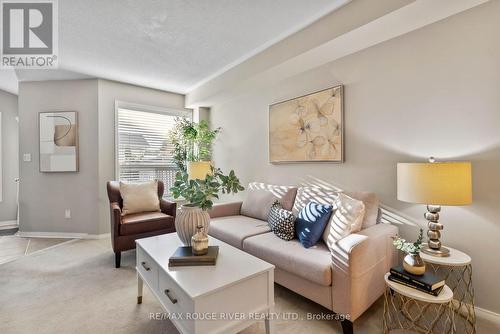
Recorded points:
257,203
371,206
281,221
139,197
286,194
347,218
234,229
328,196
313,264
311,222
313,194
138,223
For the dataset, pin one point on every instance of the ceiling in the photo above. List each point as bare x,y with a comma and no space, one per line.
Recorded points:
172,45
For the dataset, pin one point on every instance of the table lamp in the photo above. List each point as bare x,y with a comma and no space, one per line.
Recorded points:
435,184
198,170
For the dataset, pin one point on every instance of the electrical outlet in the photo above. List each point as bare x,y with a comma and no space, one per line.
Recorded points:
26,157
67,214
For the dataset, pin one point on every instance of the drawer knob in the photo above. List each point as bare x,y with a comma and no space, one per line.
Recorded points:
145,267
172,299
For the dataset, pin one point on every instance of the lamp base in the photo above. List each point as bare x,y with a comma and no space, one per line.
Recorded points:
441,252
433,246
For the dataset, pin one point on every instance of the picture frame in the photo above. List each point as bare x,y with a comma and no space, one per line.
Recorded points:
308,128
58,141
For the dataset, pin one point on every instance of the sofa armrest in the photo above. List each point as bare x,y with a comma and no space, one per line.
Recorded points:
168,207
359,263
225,209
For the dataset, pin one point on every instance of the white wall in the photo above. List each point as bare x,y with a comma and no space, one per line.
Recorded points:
9,159
109,92
45,196
433,91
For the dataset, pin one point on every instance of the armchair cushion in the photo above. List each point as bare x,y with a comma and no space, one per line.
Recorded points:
145,222
139,197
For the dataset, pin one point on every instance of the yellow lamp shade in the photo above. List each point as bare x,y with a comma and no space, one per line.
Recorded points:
198,170
435,183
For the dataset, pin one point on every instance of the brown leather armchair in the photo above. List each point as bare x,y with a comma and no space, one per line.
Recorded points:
126,229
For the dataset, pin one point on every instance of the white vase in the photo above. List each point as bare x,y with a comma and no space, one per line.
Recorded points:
187,221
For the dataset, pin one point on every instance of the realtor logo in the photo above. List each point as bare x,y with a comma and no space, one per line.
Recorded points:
29,34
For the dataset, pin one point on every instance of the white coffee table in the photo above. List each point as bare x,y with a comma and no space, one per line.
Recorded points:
225,298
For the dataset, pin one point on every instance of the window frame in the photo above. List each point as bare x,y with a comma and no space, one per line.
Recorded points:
171,111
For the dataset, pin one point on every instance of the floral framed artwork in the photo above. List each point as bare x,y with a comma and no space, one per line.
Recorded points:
308,128
58,141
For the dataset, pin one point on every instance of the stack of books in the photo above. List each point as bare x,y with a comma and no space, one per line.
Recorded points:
184,256
428,282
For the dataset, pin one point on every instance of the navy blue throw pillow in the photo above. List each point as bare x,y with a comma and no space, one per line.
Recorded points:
311,223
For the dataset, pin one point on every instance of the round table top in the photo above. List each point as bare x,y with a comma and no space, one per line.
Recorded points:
444,297
456,258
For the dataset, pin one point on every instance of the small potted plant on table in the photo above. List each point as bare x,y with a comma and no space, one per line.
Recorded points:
412,262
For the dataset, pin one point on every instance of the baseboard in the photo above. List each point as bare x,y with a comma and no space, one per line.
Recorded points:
487,315
62,235
8,224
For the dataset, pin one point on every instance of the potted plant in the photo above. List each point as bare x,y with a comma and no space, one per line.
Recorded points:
197,181
412,262
192,143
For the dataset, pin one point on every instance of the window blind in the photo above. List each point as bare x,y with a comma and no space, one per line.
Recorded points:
144,152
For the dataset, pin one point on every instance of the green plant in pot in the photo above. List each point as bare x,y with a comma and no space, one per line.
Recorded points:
192,143
412,262
197,181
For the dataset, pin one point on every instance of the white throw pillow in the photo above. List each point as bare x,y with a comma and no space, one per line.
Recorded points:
313,194
346,218
139,197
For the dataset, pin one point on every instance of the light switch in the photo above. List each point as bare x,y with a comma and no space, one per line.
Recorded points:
26,157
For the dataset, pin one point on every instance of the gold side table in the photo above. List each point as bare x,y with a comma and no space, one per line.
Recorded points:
409,309
456,269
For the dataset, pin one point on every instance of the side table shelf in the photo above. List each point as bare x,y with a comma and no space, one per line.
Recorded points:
456,269
409,309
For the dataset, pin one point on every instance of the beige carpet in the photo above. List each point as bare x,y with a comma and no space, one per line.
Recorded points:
74,288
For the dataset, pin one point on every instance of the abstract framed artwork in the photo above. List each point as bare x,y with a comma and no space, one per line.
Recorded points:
58,141
308,128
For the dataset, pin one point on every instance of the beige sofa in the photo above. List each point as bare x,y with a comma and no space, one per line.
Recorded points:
346,279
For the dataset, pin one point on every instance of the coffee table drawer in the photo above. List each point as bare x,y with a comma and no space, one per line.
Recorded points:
176,301
148,268
172,296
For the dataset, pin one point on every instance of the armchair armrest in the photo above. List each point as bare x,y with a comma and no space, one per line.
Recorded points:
116,217
225,209
359,263
168,208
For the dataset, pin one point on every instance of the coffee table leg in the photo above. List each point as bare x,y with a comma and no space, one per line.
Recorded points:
139,289
269,322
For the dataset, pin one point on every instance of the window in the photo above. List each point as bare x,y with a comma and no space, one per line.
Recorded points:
143,151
